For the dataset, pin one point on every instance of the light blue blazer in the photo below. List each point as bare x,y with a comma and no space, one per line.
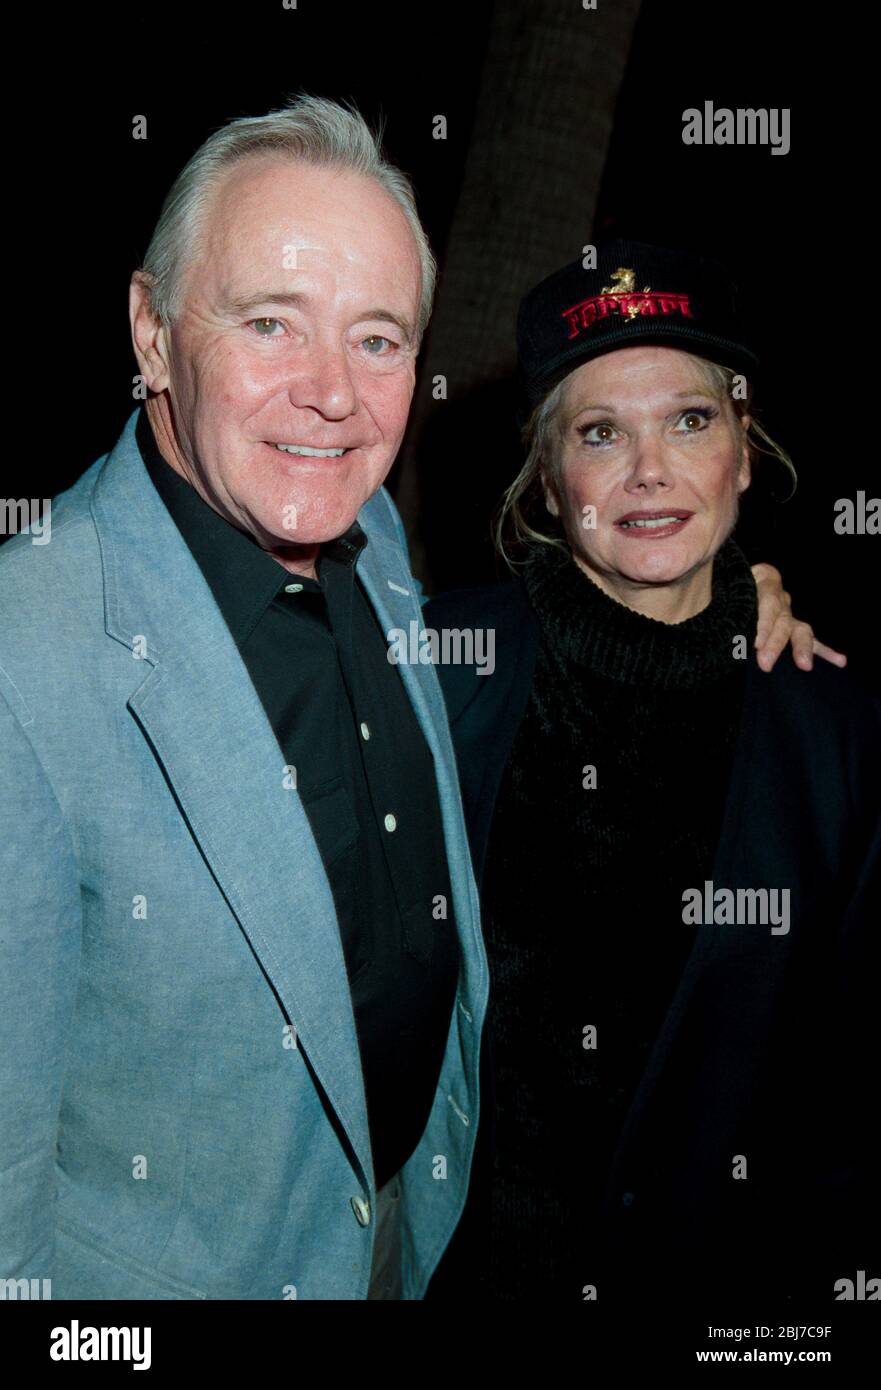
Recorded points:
165,918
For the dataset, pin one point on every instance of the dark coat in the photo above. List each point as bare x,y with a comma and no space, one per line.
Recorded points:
765,1051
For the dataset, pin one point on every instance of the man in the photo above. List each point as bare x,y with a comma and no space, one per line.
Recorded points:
243,980
225,908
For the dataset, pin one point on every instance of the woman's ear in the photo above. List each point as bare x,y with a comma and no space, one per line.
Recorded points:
744,471
550,493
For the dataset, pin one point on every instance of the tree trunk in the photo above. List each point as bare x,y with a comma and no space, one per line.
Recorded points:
542,126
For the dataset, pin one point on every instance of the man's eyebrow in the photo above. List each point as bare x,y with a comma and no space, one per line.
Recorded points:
297,301
254,301
386,316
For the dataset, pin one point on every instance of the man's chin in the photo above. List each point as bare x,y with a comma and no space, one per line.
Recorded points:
309,532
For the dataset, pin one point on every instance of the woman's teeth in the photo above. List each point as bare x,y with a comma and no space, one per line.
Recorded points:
653,521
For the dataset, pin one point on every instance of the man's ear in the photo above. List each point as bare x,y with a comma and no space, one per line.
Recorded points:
745,469
149,337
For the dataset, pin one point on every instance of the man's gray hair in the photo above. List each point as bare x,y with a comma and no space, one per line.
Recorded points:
313,129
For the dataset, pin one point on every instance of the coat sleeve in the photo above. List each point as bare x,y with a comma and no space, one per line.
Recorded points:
40,937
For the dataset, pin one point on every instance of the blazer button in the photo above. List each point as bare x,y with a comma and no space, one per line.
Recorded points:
361,1210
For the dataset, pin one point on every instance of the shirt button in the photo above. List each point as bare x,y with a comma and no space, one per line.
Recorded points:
365,732
390,823
361,1210
293,588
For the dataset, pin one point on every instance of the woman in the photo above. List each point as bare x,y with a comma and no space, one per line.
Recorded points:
673,849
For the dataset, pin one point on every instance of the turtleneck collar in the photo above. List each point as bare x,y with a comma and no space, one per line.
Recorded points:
584,627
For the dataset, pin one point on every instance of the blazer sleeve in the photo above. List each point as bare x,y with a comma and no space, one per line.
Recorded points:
40,937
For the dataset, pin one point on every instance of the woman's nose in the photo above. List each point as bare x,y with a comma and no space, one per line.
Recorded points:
651,467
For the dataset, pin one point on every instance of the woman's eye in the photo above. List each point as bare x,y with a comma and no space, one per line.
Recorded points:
695,420
260,324
374,343
597,435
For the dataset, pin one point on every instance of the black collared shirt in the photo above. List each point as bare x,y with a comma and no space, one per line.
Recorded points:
318,659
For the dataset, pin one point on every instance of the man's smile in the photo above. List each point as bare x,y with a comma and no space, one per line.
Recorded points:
307,451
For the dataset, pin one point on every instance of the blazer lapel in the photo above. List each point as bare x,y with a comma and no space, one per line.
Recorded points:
391,589
193,698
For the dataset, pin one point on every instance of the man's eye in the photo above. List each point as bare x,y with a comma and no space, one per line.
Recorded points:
261,324
695,420
374,343
597,435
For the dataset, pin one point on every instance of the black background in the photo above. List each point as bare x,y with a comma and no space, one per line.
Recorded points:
794,228
83,197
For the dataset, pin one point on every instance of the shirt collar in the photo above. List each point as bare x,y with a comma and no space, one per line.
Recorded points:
242,577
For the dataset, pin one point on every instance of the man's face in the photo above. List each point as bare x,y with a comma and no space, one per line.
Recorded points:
298,325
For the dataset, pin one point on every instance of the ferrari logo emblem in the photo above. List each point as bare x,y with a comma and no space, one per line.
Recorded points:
624,282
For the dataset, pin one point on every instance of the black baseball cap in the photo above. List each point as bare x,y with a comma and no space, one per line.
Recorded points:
636,294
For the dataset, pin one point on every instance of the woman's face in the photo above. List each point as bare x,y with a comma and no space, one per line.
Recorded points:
650,469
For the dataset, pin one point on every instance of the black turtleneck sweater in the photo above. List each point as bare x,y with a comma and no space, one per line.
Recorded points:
583,892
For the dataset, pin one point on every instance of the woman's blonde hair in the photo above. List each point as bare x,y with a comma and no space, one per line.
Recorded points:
522,519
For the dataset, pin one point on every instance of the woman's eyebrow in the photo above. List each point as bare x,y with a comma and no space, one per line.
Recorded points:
612,410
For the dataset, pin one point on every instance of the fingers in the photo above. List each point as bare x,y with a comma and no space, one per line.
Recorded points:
777,638
829,654
774,603
802,639
777,628
805,646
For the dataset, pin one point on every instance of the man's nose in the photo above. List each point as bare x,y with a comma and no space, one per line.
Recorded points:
651,466
323,381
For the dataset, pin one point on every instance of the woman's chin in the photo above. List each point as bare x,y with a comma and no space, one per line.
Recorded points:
658,573
658,563
655,582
